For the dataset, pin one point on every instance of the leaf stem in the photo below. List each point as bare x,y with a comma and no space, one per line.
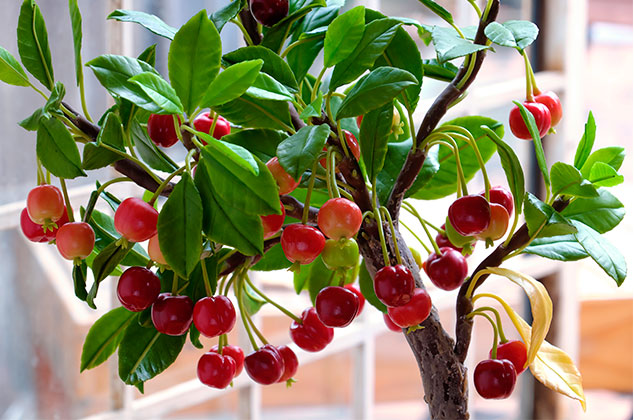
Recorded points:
203,267
313,94
298,43
379,225
167,180
245,33
69,208
494,349
386,214
409,208
309,192
529,71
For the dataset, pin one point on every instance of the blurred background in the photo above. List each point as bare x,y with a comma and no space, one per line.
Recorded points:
584,53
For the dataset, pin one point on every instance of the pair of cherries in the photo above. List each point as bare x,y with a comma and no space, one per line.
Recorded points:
547,110
495,378
162,132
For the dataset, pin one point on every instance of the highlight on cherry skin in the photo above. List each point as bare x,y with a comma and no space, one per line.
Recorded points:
161,130
214,315
448,270
45,205
172,314
336,306
311,334
302,243
265,365
216,370
138,288
494,378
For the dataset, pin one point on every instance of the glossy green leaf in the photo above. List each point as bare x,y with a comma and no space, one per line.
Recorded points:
545,219
57,150
111,133
512,168
251,301
148,151
438,9
449,45
266,87
529,120
180,227
612,156
586,143
343,35
105,234
444,181
76,21
104,337
194,59
373,136
444,72
32,122
164,98
144,353
275,36
256,113
513,33
430,167
54,101
602,213
366,284
224,15
11,71
150,22
559,248
606,255
274,259
149,55
237,154
567,180
374,90
103,265
376,38
298,152
273,65
194,337
231,83
33,43
261,142
196,287
95,157
394,160
313,109
80,272
603,175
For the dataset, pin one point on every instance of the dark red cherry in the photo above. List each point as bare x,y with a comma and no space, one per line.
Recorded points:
302,243
357,292
235,353
390,324
469,215
138,288
553,103
515,351
290,363
265,366
203,122
161,130
272,223
394,285
336,306
311,334
269,12
172,315
214,316
542,119
413,312
502,196
448,270
494,378
216,370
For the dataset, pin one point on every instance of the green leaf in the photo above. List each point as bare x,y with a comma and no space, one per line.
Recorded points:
275,36
194,337
196,287
163,96
148,151
612,156
256,113
602,213
252,193
149,55
80,272
224,15
194,59
394,160
95,157
225,223
274,259
57,150
266,87
261,142
231,83
103,265
314,108
366,284
298,152
529,120
11,71
513,33
111,133
540,216
75,20
104,337
375,130
149,22
450,46
55,99
33,43
105,234
512,168
343,35
560,248
567,180
180,227
438,9
32,122
376,38
374,90
606,255
234,152
144,353
251,301
273,65
430,167
444,181
603,175
444,72
587,141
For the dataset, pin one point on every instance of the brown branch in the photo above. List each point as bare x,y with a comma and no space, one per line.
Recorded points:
295,209
464,305
416,159
251,26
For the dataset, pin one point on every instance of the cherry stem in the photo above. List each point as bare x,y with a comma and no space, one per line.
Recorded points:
468,138
379,224
309,192
415,236
69,208
243,277
498,321
245,33
342,139
40,173
313,94
409,208
243,315
213,125
203,267
494,349
471,60
386,214
222,341
97,193
475,6
175,285
474,281
167,180
272,302
529,72
226,256
188,158
194,138
332,174
329,178
445,139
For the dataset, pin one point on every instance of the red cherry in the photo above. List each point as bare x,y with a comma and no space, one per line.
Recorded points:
359,120
45,204
135,220
172,315
138,288
336,306
154,250
204,121
500,195
35,232
542,119
216,370
553,103
75,240
269,12
357,292
494,378
302,243
272,224
390,324
413,312
498,224
443,242
515,352
311,334
265,366
470,214
290,363
339,218
161,130
214,316
448,270
285,182
235,353
394,285
353,144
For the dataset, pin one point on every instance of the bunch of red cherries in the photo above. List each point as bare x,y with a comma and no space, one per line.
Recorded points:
546,109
